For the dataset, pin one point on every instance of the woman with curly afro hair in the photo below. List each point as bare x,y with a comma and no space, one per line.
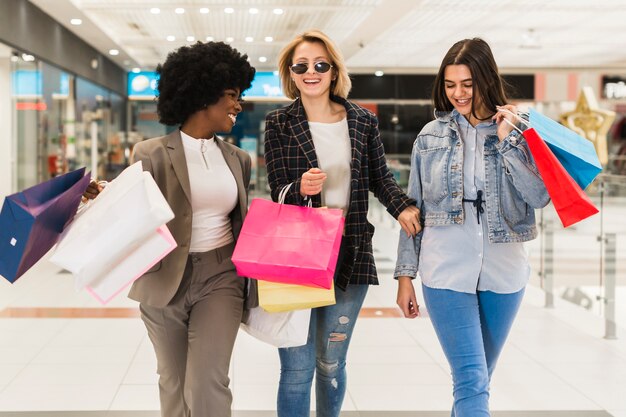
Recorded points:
192,301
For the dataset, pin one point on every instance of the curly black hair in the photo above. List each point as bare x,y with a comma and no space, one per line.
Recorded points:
194,77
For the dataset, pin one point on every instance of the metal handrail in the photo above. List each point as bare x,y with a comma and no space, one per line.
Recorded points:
612,178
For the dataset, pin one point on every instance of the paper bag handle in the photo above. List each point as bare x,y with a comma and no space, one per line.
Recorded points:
283,194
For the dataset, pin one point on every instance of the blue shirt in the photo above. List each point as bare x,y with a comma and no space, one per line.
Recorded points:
460,257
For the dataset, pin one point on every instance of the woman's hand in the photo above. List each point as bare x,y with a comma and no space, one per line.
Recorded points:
406,298
92,191
409,220
503,127
312,182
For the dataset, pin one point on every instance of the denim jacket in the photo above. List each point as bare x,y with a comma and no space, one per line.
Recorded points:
513,187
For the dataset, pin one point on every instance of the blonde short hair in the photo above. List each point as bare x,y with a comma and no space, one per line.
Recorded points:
340,86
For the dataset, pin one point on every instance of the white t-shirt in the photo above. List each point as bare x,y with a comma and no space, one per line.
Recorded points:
332,146
213,194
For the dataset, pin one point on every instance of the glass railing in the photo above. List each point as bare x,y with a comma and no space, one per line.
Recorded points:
583,263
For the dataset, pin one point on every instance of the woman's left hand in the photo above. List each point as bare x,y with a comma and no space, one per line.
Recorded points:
503,127
409,220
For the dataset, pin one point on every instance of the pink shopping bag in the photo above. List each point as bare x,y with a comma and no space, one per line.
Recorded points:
289,244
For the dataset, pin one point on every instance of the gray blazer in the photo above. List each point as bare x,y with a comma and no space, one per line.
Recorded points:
165,159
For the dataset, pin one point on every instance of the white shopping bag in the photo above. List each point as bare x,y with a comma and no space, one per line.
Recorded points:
285,329
133,266
115,224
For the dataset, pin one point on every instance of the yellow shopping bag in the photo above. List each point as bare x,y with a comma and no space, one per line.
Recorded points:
276,297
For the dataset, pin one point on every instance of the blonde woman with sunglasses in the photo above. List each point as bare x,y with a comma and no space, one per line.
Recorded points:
329,150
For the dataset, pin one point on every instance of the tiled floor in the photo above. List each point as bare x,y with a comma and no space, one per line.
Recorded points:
56,360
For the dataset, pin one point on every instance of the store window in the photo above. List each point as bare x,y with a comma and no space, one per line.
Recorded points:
27,103
100,141
57,119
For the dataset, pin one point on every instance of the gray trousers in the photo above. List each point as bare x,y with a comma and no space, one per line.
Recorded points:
193,336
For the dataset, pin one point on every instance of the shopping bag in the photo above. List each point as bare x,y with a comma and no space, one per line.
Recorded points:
577,154
133,266
31,221
275,297
115,224
289,244
570,201
286,329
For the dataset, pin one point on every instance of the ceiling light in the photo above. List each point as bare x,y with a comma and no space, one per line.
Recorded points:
262,59
179,10
76,22
171,38
530,40
230,39
269,39
28,58
114,52
204,10
229,10
136,70
249,39
14,58
278,11
210,39
379,73
155,10
190,39
253,10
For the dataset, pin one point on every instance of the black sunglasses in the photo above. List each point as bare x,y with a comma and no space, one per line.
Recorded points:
319,67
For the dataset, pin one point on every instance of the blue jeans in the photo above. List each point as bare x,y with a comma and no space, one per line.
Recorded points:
472,329
326,349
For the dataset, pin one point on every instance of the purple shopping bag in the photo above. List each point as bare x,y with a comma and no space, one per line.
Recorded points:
31,221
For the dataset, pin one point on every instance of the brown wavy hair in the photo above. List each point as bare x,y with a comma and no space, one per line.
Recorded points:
487,83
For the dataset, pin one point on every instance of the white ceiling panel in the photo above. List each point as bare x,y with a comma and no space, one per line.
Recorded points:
393,35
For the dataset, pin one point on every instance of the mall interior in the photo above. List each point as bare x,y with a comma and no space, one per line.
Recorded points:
77,89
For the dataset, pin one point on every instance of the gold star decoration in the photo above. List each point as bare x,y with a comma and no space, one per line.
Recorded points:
590,122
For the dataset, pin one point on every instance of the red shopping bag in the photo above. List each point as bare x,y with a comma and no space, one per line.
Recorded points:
570,201
289,244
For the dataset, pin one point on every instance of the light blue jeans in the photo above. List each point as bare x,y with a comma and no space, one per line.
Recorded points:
330,332
472,329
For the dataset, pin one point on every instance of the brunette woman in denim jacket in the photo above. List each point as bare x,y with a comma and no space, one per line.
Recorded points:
477,186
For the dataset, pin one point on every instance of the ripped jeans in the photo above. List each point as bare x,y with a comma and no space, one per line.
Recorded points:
325,352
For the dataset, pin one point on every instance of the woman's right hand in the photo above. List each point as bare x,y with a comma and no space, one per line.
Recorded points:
312,182
92,191
406,298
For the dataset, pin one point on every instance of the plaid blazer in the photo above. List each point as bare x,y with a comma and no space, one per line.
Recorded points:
290,152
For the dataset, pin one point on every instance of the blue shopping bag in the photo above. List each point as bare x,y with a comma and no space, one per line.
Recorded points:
32,220
577,154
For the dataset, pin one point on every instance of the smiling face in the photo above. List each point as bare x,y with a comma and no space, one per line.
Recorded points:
223,114
312,84
458,86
